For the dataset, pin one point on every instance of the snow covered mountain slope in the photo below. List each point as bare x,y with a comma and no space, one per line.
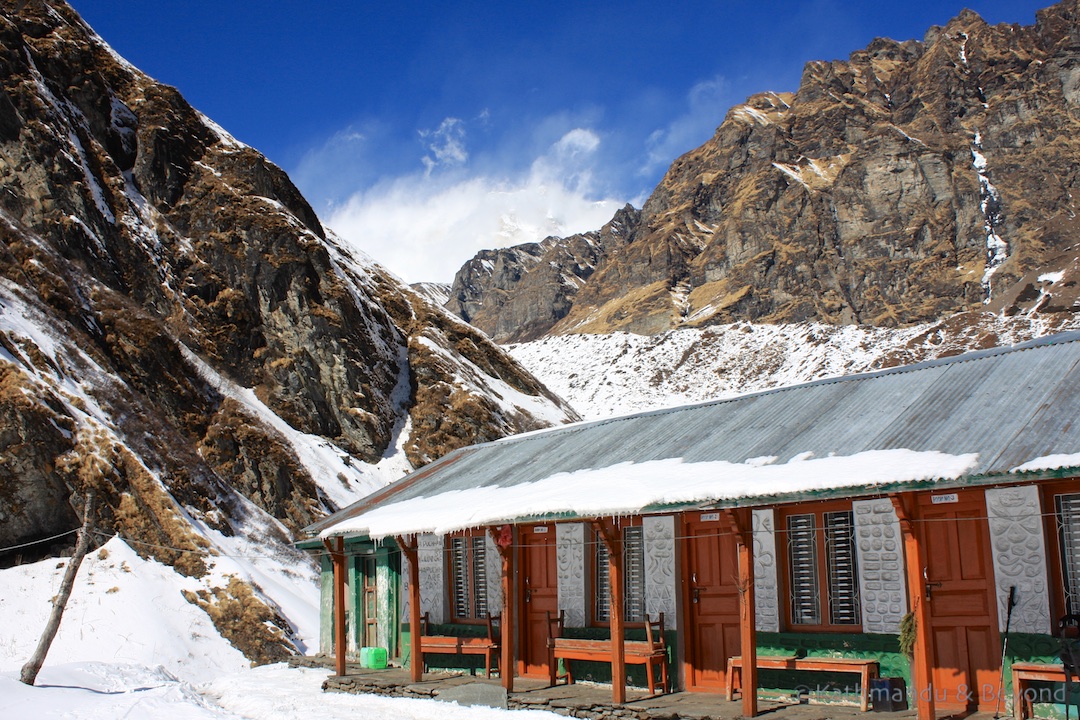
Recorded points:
180,334
621,373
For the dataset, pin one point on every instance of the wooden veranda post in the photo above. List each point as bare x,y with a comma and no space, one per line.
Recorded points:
611,536
503,537
336,549
416,657
907,511
741,522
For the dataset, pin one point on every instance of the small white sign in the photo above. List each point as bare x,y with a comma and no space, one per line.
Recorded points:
943,499
710,517
540,529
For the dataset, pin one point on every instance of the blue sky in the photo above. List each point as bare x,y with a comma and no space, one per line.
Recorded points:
422,132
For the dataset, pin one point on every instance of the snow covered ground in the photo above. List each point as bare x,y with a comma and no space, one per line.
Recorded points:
131,646
104,691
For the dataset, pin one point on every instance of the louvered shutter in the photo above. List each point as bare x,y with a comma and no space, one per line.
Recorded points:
601,582
802,558
1068,519
633,582
459,567
479,577
841,563
634,562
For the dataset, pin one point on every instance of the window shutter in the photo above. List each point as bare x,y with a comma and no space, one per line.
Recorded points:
634,586
602,582
459,565
633,577
1068,519
841,563
802,558
479,575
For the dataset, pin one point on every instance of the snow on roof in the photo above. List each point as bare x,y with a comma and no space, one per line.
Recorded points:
629,488
989,413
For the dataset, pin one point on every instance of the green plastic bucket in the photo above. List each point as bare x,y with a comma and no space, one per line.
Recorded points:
373,658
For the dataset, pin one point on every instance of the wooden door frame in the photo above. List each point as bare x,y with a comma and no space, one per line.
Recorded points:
1055,569
521,634
688,629
909,512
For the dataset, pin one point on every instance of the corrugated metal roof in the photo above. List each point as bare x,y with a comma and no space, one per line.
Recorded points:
1009,405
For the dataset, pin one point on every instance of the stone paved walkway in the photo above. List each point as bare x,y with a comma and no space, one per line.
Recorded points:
586,700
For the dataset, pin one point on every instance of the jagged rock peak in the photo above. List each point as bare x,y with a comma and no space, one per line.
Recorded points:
518,293
909,182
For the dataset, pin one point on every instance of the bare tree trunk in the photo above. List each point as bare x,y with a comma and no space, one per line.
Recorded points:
33,665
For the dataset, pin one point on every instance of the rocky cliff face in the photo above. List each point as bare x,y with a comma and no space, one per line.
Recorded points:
516,294
179,331
909,182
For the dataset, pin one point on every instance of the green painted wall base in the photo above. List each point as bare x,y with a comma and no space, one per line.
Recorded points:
820,687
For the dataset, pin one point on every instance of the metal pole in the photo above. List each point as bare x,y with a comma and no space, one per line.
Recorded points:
1004,649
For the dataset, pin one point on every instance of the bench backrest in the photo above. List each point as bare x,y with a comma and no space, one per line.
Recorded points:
654,629
493,622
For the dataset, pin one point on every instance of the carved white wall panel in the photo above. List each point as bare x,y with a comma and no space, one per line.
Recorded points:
1016,536
570,558
432,560
766,597
660,591
882,589
493,564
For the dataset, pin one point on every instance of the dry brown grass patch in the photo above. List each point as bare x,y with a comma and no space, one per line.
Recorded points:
245,621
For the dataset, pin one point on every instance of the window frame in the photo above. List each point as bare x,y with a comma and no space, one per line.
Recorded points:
471,540
1055,555
594,551
821,568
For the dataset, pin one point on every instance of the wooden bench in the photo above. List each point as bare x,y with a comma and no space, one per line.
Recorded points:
1023,674
867,669
648,652
488,646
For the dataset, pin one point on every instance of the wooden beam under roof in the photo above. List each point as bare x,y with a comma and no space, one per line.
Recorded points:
503,538
741,522
416,658
611,535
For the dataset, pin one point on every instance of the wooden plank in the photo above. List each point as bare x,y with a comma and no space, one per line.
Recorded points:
741,522
864,667
1025,673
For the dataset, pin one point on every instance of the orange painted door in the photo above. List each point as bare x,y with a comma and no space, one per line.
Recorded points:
539,596
710,576
966,660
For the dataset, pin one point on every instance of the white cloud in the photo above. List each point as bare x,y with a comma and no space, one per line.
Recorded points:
425,226
447,144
